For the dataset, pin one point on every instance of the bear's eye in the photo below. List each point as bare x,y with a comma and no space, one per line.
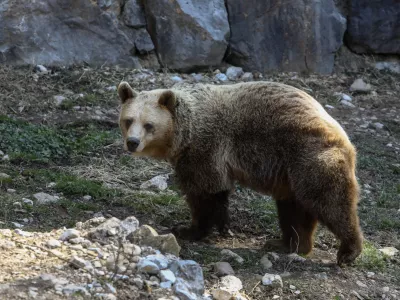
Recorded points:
128,122
148,126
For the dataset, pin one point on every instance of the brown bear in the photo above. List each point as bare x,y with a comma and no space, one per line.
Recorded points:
270,137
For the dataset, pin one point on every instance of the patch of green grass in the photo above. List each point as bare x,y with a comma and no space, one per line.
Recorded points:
371,258
32,142
388,197
87,100
68,184
71,185
164,209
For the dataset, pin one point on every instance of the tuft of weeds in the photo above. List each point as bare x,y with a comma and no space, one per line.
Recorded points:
371,258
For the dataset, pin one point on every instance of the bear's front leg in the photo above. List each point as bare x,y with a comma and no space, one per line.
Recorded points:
207,210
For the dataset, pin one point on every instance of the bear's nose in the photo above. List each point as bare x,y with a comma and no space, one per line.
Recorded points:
132,143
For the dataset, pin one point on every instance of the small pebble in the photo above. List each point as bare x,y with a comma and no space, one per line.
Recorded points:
53,244
223,268
27,201
69,234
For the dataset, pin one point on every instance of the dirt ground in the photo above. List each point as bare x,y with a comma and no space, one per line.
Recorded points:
70,147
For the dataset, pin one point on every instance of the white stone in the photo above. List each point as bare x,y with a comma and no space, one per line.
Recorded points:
231,283
167,275
44,198
27,201
370,274
87,197
342,96
393,66
111,88
17,225
53,244
79,262
378,125
59,99
389,251
6,157
41,69
159,259
272,280
129,225
360,86
51,184
11,191
361,284
146,266
166,284
158,182
329,106
70,234
234,73
176,79
221,77
347,103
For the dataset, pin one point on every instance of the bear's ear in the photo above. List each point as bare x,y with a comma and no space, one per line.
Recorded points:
125,91
168,99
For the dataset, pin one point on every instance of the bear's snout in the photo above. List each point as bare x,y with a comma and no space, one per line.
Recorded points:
132,143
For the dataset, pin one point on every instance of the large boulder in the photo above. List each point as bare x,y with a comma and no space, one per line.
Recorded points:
188,34
66,32
284,35
374,26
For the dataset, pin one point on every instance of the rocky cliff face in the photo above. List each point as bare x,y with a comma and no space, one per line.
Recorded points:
285,35
187,34
64,32
374,26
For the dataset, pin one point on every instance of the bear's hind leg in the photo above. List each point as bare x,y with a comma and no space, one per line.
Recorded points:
207,210
297,226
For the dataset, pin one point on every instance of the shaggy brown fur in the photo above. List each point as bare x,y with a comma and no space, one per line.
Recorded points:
267,136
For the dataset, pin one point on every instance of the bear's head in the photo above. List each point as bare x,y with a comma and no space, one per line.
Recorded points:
146,120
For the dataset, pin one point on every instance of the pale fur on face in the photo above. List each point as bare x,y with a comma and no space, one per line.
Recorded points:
143,117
